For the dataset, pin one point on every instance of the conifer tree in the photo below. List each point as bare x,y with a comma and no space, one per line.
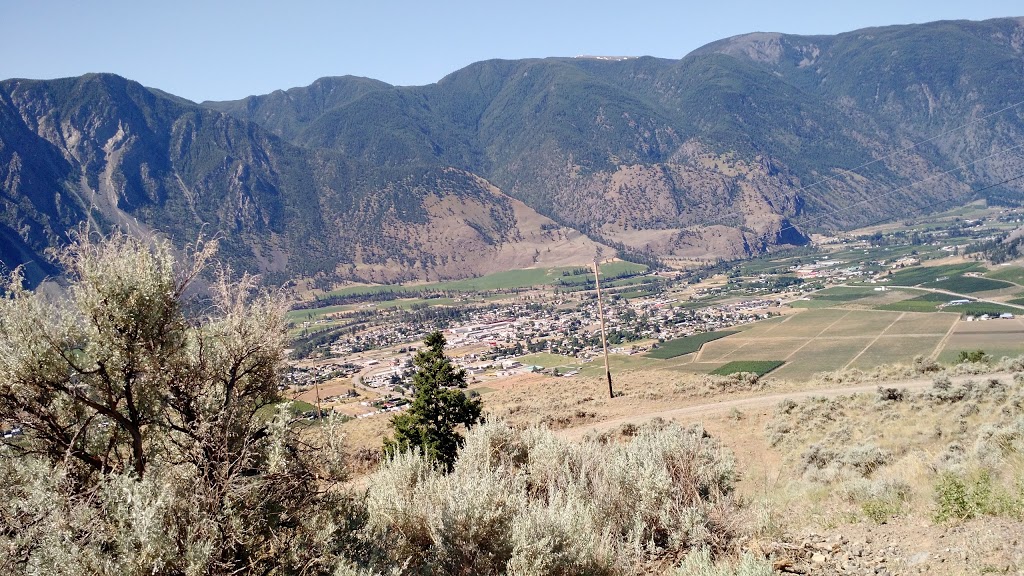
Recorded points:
438,408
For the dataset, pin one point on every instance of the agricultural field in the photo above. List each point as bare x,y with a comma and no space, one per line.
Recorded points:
822,355
618,274
833,297
313,314
768,326
759,367
617,362
548,360
1008,273
1000,337
409,303
969,284
810,324
763,348
858,324
686,345
626,282
895,349
926,324
927,302
979,308
918,275
524,278
821,340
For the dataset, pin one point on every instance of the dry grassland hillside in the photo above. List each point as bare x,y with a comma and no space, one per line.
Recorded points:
897,470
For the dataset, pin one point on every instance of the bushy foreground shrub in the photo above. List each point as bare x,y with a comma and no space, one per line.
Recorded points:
700,563
527,502
965,496
147,441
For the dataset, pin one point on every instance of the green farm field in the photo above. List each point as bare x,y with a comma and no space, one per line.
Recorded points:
503,280
821,355
765,327
616,362
857,324
1009,273
312,314
933,324
764,348
831,297
979,308
918,275
548,360
809,324
857,298
969,285
759,367
824,340
297,317
926,302
686,345
619,363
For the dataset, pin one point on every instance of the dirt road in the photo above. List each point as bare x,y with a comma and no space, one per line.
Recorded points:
697,411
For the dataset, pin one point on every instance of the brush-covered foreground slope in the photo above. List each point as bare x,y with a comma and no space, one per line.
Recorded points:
107,149
710,154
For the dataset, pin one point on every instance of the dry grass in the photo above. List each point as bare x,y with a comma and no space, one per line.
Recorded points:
874,456
895,349
923,323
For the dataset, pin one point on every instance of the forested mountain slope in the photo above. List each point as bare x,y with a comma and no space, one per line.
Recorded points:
107,149
742,145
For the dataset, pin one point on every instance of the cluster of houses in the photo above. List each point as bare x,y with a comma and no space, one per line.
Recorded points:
545,327
834,270
550,329
384,405
826,268
376,337
1003,316
302,377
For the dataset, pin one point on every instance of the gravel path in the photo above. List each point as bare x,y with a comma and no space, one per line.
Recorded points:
760,401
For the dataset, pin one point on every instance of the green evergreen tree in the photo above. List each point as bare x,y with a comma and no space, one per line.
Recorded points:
439,407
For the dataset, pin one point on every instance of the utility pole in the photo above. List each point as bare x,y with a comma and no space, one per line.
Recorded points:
604,340
319,411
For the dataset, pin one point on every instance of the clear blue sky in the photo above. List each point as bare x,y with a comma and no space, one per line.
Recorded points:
221,50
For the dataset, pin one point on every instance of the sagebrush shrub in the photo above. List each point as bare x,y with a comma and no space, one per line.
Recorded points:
523,501
700,563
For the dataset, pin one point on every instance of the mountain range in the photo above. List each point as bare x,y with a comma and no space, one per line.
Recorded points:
743,145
